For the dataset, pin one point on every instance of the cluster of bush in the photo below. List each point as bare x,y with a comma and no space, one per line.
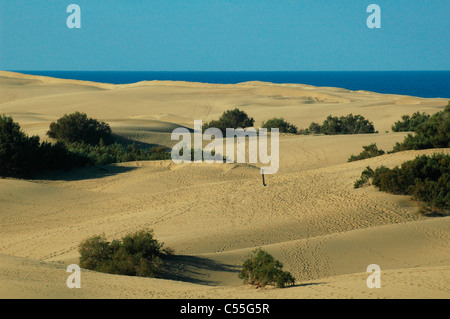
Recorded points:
80,141
239,119
420,123
136,254
350,124
262,269
426,179
140,254
429,132
93,140
116,153
410,123
22,156
333,125
432,133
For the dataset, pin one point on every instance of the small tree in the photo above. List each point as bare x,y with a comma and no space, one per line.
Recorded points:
78,128
261,269
314,128
231,119
281,124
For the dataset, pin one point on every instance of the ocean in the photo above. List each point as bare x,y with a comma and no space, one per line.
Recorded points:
428,84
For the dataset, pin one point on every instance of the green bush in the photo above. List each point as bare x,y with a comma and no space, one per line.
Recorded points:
231,119
262,269
23,156
92,140
333,125
314,128
410,123
433,133
366,175
368,152
281,124
136,254
78,128
346,125
117,153
17,150
426,179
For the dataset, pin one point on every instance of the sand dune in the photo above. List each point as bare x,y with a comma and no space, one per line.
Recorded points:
309,216
24,278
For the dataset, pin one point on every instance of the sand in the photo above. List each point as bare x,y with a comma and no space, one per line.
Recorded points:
213,215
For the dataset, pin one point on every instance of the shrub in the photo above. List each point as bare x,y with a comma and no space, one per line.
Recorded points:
17,150
346,125
426,179
410,123
78,128
314,128
433,133
23,156
231,119
281,124
95,252
368,152
92,140
350,124
262,269
136,254
116,153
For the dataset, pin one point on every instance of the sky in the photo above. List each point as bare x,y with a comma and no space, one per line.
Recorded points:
226,35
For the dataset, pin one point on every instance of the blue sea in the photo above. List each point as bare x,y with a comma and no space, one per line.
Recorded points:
426,84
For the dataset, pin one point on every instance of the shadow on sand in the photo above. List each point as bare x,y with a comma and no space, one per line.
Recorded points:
94,172
195,269
127,141
307,284
84,173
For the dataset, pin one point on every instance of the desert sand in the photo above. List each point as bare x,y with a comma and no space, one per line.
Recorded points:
213,215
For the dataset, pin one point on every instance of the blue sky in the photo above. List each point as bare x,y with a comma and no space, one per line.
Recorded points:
227,35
